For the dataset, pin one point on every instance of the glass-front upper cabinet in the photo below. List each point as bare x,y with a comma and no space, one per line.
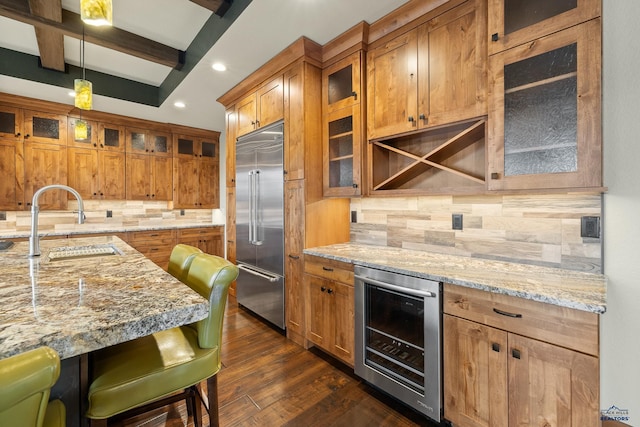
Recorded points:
10,123
514,22
545,126
149,142
342,133
45,127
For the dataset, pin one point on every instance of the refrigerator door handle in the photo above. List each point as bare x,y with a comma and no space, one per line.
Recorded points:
257,273
257,206
251,207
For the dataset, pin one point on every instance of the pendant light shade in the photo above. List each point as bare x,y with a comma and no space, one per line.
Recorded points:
81,130
84,94
96,12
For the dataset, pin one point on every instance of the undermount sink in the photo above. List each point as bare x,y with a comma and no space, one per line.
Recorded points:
76,252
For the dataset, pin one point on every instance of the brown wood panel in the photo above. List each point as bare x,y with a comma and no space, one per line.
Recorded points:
12,171
45,164
344,325
294,228
294,134
270,102
474,374
16,131
137,177
162,178
55,131
329,269
230,145
83,172
566,327
111,175
246,114
319,321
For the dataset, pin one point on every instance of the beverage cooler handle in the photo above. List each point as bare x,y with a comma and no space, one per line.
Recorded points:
402,289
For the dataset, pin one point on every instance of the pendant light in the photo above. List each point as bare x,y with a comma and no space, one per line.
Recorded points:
96,12
84,96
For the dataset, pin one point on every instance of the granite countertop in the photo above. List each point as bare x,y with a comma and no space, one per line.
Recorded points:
566,288
81,305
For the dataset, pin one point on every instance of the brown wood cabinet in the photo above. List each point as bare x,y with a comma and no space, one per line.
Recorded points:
230,145
207,239
231,231
12,171
97,163
329,300
515,23
45,164
520,358
195,172
45,127
260,108
155,245
342,85
431,83
294,223
545,112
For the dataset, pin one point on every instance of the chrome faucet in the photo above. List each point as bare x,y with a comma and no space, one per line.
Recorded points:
34,241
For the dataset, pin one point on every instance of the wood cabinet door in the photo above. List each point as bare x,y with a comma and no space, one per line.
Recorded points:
138,177
545,126
342,150
452,82
136,141
474,374
319,311
11,123
551,385
294,222
12,172
45,127
294,134
512,23
270,102
230,144
83,172
392,85
342,83
185,195
162,178
111,175
91,141
231,232
45,164
344,324
246,113
111,137
208,184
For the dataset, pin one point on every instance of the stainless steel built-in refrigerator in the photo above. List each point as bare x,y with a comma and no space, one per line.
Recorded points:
260,222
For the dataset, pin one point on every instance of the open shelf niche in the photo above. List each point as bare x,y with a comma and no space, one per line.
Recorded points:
448,159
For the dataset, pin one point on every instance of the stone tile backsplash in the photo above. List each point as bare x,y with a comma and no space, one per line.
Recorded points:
533,229
129,214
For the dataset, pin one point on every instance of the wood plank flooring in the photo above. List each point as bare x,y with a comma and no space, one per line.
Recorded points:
266,380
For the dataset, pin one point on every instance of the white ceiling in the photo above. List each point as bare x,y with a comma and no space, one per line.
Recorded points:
263,29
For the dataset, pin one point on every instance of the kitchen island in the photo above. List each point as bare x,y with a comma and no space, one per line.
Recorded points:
83,304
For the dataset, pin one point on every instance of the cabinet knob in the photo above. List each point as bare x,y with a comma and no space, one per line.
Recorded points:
495,175
258,123
27,136
495,347
515,353
494,37
101,146
95,145
355,95
354,185
423,118
95,194
329,291
18,134
323,289
411,119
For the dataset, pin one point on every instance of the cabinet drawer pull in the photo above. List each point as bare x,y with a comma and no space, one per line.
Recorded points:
327,269
495,347
495,175
411,119
506,313
515,353
494,37
294,256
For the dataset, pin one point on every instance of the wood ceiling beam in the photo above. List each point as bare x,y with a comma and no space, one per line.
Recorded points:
110,37
50,43
219,7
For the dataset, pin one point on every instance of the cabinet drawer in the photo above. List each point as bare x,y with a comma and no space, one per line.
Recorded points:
189,233
156,237
566,327
329,269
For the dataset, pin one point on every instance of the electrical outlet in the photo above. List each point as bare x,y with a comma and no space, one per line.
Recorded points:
3,216
590,226
181,212
456,221
109,214
354,216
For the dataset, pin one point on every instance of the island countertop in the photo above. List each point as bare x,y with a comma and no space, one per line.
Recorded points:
80,305
566,288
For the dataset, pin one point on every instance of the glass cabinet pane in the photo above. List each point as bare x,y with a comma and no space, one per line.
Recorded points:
185,146
137,141
7,122
519,14
46,128
341,152
540,113
208,149
161,145
340,85
111,137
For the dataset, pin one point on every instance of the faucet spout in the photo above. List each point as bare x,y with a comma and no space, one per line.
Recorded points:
34,240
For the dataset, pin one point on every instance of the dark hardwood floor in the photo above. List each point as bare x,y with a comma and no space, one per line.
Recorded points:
266,380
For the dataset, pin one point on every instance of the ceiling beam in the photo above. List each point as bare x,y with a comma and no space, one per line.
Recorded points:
219,7
109,37
50,42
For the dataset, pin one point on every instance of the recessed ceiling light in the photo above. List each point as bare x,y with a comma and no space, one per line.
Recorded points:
219,66
179,104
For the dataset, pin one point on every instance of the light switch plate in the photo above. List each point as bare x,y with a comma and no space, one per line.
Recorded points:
456,221
590,226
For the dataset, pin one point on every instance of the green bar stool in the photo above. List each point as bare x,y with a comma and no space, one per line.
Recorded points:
180,260
25,386
143,374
